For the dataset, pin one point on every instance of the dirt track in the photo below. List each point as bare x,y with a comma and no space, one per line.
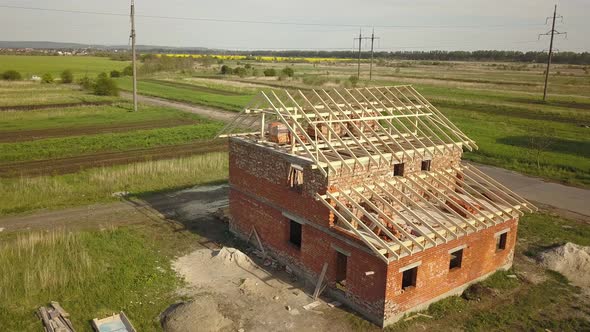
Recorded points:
77,163
29,135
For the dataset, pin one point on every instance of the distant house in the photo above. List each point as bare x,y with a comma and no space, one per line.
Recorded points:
35,78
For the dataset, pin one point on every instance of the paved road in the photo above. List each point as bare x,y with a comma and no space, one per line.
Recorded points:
212,113
535,189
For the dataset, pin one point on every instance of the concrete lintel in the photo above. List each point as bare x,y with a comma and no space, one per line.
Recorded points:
457,248
502,232
295,218
411,266
340,250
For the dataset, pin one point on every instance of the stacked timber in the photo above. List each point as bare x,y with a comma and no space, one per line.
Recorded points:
55,318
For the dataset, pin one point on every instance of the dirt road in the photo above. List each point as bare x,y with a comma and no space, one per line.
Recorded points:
207,112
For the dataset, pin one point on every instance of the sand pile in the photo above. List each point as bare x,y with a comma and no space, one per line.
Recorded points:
228,256
571,260
202,315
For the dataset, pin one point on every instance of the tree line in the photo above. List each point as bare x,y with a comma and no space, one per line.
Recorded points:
482,55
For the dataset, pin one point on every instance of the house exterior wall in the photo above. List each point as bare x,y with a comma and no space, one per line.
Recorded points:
260,197
435,280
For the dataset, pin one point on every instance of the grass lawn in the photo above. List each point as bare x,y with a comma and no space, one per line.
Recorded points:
92,274
19,195
78,145
87,116
34,93
188,94
79,65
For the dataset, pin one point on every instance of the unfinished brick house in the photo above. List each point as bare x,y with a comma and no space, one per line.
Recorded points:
364,191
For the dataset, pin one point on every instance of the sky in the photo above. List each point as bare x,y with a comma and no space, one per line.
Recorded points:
319,25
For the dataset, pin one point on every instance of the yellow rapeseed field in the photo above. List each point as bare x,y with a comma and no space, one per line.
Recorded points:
260,58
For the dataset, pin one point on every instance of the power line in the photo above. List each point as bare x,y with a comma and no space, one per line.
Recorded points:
551,32
219,20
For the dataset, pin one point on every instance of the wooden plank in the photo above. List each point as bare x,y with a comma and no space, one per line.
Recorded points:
318,286
59,309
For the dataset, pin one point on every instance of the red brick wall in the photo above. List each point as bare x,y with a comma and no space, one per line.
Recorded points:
365,291
435,279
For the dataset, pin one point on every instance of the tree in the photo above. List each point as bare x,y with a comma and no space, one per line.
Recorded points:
67,76
128,71
47,78
115,73
240,71
226,70
11,75
541,142
288,71
270,72
86,83
105,86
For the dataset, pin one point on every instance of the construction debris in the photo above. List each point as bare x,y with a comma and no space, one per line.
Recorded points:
55,318
312,305
334,304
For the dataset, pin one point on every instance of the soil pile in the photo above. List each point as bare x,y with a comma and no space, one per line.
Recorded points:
571,260
203,315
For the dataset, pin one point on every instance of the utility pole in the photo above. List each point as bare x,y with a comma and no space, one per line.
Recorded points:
552,32
372,43
359,62
133,55
360,39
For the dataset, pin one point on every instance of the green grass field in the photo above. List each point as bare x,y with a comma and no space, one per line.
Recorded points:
88,116
18,195
39,65
188,94
33,93
91,274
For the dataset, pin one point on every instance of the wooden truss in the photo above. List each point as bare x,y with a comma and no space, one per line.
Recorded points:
350,128
409,214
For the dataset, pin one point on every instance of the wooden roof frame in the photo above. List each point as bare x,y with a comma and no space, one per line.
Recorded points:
373,125
426,208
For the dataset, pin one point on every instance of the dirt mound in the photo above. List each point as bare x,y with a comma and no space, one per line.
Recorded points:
199,315
571,260
229,256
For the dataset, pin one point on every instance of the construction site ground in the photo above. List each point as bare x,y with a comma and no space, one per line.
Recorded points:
241,292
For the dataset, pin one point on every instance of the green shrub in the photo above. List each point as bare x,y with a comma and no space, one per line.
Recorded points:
226,70
115,73
86,83
47,78
270,72
128,71
105,86
240,71
11,75
354,80
67,76
288,71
